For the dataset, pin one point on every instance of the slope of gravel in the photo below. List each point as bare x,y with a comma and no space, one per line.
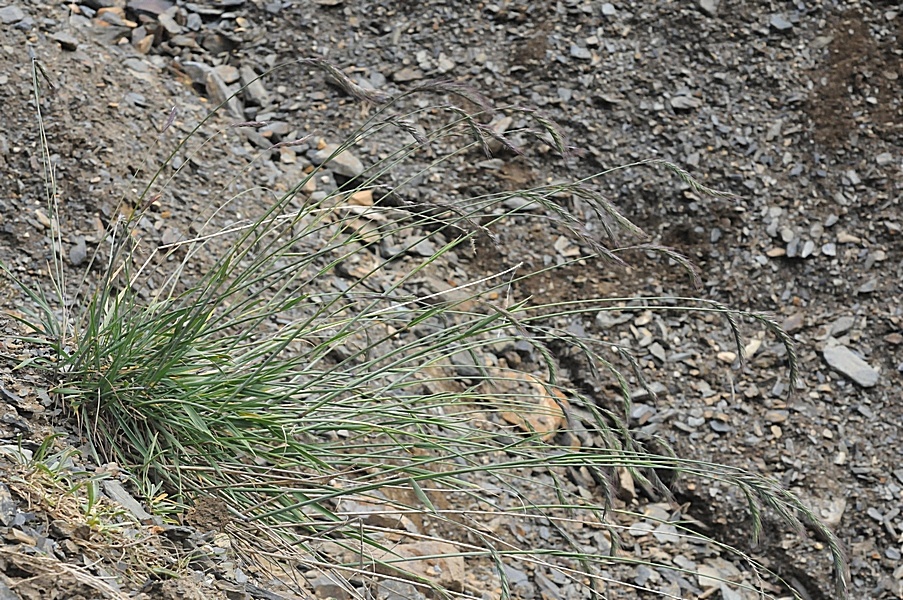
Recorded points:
794,107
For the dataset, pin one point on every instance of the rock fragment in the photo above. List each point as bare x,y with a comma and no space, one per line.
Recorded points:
884,159
11,14
407,74
685,102
78,252
66,41
580,52
438,562
118,494
220,92
345,163
846,362
780,23
255,92
709,7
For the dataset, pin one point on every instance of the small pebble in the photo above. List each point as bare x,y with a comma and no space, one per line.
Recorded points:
727,357
780,23
885,158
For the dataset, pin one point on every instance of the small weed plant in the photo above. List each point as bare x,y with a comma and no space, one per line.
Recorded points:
313,367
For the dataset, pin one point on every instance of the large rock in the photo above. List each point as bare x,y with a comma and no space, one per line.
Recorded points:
219,93
255,92
345,163
843,360
439,562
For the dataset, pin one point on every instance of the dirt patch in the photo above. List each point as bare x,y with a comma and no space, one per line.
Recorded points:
860,90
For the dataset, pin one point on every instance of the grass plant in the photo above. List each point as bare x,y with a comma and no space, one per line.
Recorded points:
302,366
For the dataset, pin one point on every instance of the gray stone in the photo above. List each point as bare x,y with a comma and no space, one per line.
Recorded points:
196,71
787,234
149,7
221,93
684,102
445,64
171,235
709,7
194,22
780,23
392,589
113,19
844,361
549,587
407,74
885,158
278,128
657,351
227,72
608,319
78,252
118,494
424,248
6,593
184,41
66,41
808,248
842,325
255,92
519,582
466,365
666,533
868,287
8,507
720,426
729,593
136,64
330,586
345,163
11,14
580,52
169,24
17,453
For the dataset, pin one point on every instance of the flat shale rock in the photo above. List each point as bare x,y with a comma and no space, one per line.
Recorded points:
843,360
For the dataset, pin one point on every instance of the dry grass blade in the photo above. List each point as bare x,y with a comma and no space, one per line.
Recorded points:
553,131
346,83
461,91
408,127
688,179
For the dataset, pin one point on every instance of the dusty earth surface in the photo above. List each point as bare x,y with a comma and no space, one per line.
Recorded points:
796,108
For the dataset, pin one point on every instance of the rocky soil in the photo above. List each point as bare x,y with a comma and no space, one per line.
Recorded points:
796,108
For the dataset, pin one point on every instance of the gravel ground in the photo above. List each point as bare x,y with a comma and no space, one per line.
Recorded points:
796,108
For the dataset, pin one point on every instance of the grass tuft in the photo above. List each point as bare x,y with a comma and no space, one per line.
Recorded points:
311,370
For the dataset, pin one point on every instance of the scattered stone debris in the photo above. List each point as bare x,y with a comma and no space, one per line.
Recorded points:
811,236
